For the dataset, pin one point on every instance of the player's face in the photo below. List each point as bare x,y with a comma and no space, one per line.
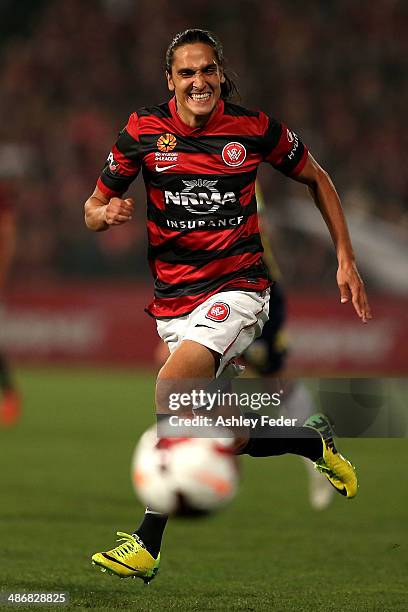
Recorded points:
196,80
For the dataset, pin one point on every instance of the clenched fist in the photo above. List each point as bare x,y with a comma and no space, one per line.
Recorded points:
118,211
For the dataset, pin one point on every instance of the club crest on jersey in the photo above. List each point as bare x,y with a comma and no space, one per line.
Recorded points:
234,154
218,312
166,143
113,165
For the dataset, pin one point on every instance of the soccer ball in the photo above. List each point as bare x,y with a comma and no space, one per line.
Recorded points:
184,476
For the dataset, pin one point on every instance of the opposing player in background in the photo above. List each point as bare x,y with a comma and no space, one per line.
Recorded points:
199,154
10,402
267,356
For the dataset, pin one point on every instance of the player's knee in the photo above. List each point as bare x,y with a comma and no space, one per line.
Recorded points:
167,391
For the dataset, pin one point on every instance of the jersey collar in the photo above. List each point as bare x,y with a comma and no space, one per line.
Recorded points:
185,129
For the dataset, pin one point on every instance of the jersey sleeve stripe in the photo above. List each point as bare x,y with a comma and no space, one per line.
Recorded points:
116,184
132,126
288,165
128,146
271,136
301,163
288,152
110,193
124,162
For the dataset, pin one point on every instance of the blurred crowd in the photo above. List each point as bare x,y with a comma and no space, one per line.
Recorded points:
334,71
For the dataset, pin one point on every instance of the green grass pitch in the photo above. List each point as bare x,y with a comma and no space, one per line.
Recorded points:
65,491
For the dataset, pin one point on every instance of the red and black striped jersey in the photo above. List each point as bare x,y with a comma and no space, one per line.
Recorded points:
202,219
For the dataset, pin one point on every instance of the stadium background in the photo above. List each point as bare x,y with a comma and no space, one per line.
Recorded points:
70,73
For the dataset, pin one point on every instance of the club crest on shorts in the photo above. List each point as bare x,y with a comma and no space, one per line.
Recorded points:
234,154
218,312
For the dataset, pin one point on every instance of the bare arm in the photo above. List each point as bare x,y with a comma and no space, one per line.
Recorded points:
325,196
101,212
7,245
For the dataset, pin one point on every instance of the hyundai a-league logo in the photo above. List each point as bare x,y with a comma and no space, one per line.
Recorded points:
166,143
218,312
234,154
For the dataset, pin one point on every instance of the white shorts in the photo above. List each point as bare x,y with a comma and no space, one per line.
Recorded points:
227,323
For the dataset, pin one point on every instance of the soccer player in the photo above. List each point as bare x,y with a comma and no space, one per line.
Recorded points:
10,398
266,357
199,154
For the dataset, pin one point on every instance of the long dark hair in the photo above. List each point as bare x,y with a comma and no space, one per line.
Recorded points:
196,35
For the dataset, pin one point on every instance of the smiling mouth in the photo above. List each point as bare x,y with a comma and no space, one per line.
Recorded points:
200,97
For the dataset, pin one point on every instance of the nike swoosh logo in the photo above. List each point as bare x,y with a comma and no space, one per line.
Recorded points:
118,562
163,168
200,325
